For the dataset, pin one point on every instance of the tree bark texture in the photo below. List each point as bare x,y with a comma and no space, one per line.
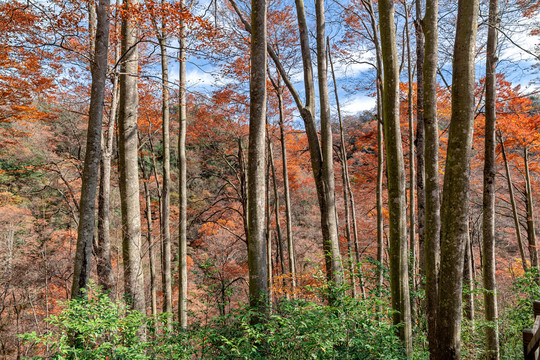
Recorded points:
515,215
455,206
399,279
328,212
182,181
258,286
419,141
531,232
104,263
128,153
290,240
87,208
432,190
488,223
165,194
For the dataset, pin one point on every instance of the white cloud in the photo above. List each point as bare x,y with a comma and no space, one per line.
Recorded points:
357,103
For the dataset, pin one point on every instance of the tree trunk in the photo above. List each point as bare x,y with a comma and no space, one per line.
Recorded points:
165,197
258,286
104,264
269,269
290,242
488,228
150,241
329,220
128,153
346,184
419,142
531,232
468,280
412,175
455,206
399,279
514,207
432,199
182,181
87,208
276,206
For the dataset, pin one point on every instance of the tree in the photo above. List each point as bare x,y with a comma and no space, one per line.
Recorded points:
87,208
399,279
128,161
258,286
490,284
182,179
432,201
455,205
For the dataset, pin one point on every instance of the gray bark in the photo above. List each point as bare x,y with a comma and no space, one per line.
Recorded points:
258,286
514,206
328,212
150,241
531,232
128,155
419,141
399,278
165,194
104,264
455,206
87,207
182,182
488,228
432,190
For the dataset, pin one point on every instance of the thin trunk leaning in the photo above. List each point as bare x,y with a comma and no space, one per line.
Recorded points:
514,206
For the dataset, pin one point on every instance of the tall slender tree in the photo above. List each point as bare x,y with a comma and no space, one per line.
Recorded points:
431,161
87,208
182,178
399,278
455,205
488,227
258,285
128,160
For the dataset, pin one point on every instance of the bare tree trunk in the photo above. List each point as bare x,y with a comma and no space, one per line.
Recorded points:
290,242
104,264
329,219
412,175
128,152
468,308
165,197
87,208
514,207
258,286
432,189
368,4
182,181
531,233
455,206
346,184
269,269
399,279
308,115
276,206
488,229
419,142
150,240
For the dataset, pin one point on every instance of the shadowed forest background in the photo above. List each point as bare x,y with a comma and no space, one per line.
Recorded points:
268,179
